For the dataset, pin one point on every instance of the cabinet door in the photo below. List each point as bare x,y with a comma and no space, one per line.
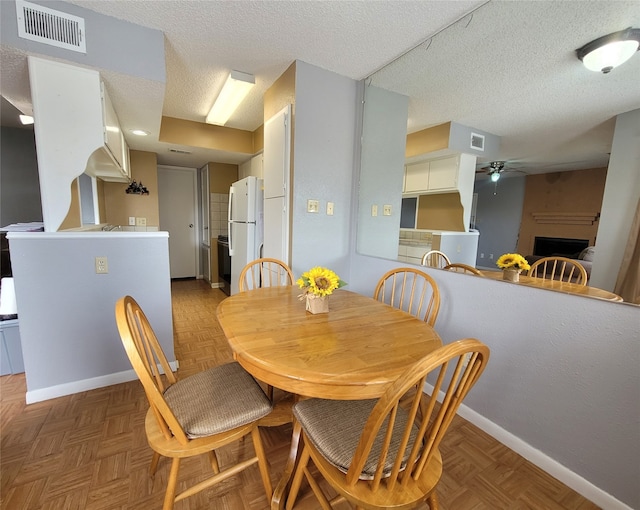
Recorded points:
256,166
277,140
443,174
416,177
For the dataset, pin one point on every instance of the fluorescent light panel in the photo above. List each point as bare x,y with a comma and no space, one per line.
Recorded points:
233,92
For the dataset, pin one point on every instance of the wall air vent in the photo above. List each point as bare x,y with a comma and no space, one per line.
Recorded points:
477,142
179,151
55,28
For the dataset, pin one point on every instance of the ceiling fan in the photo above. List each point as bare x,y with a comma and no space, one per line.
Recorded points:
495,168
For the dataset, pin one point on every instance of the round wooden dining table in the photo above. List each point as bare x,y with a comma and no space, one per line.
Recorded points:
352,352
557,285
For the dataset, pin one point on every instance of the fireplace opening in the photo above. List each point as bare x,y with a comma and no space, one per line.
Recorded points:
559,247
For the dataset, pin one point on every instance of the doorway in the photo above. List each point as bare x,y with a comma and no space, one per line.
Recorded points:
177,204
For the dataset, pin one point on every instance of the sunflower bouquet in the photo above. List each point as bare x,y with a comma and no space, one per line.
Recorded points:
319,281
513,261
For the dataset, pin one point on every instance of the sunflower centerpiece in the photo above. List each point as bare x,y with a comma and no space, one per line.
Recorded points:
512,265
317,285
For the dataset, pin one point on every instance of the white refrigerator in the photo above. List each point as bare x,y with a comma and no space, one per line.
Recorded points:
246,225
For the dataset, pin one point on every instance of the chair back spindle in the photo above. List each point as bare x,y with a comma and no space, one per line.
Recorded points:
411,290
265,272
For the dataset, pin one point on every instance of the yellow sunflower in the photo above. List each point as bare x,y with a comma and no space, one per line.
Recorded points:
513,261
319,281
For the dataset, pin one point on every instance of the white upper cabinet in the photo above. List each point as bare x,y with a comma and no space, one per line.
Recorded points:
437,175
113,165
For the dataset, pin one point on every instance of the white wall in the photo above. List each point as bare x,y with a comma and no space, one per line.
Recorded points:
498,217
324,138
70,342
384,140
562,384
621,195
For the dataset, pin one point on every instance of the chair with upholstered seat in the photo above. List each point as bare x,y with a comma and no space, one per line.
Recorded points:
559,268
462,268
265,272
411,290
435,258
378,453
195,415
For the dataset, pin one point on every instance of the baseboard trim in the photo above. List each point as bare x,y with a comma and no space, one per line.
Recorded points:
543,461
61,390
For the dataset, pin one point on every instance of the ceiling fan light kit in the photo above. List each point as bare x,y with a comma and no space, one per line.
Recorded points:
609,51
233,92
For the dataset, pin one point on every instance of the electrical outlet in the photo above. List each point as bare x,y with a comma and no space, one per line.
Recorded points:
313,206
141,222
386,210
482,255
374,210
132,221
102,267
329,208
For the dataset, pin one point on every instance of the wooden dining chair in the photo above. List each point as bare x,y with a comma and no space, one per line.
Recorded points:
559,268
435,258
265,272
378,453
462,268
411,290
269,272
195,415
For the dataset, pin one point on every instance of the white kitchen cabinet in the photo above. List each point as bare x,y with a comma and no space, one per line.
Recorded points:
115,144
443,174
251,167
416,177
435,175
277,148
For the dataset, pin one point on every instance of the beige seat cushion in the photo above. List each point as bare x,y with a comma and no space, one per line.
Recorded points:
334,427
216,400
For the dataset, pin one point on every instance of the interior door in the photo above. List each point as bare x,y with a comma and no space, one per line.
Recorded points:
177,203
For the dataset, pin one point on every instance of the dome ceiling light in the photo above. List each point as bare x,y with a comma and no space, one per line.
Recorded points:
610,51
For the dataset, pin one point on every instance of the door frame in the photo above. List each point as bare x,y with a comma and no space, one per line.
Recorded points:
196,202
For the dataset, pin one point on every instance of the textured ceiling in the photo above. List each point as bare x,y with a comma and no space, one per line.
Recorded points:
509,68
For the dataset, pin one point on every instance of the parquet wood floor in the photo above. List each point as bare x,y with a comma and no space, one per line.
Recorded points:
88,451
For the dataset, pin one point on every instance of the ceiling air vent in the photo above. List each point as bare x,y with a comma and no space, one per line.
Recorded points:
55,28
477,141
179,151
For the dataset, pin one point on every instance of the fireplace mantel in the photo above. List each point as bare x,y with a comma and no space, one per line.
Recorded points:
566,218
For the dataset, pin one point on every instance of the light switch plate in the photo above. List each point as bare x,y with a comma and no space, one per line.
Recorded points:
329,208
132,221
374,210
313,206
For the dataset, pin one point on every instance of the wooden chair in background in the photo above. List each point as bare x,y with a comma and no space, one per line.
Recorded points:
377,453
559,268
411,290
462,268
195,415
265,272
269,272
435,258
